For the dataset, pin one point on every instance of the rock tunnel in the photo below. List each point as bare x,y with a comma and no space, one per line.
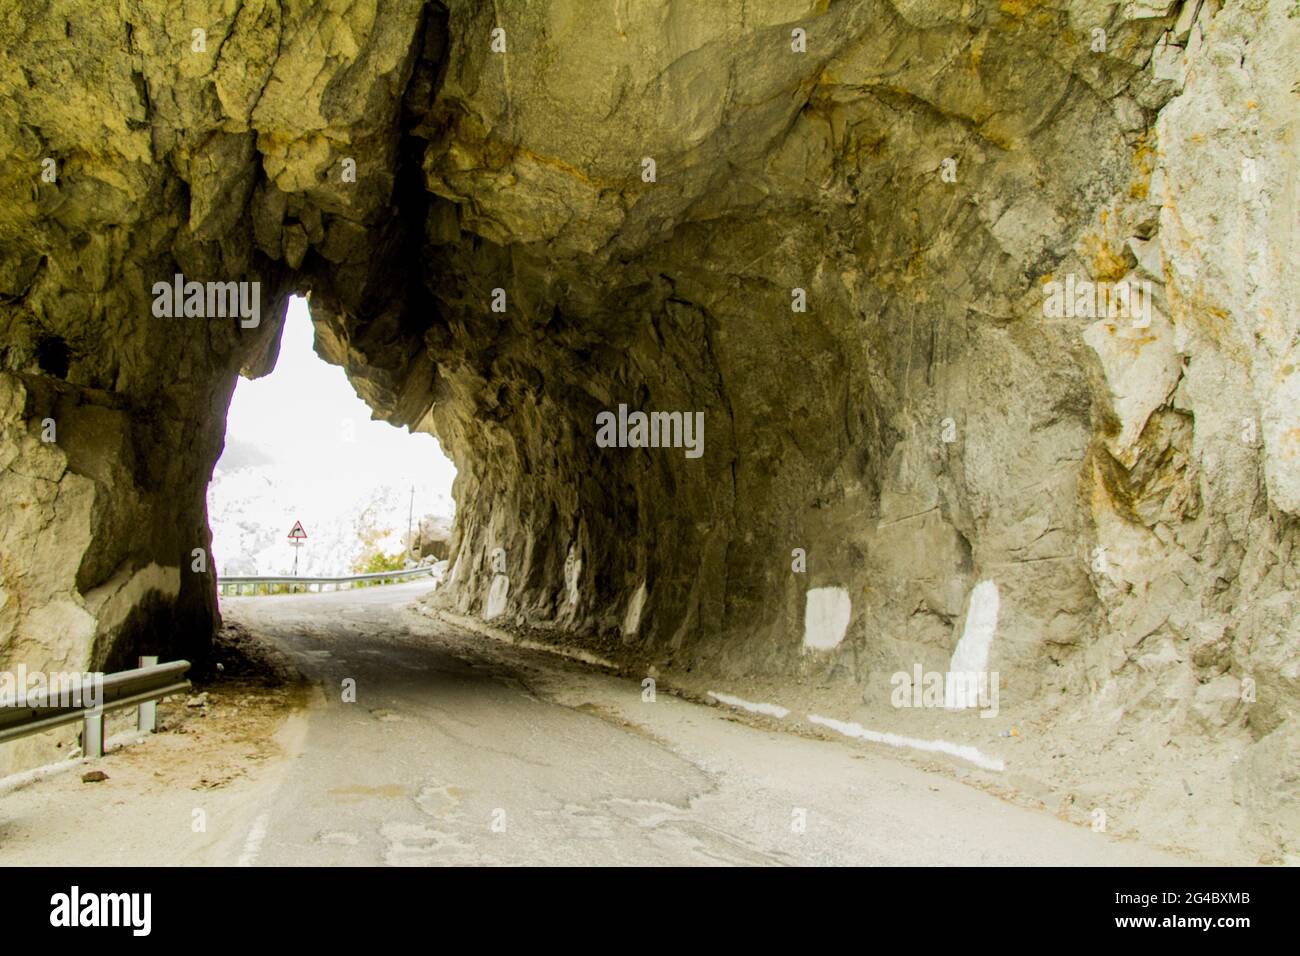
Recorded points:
828,232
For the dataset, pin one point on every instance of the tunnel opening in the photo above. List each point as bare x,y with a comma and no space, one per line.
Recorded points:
304,455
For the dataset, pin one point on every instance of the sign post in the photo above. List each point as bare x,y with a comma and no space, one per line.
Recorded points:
297,535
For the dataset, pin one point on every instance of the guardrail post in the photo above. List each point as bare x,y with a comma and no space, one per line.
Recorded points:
120,691
146,714
92,735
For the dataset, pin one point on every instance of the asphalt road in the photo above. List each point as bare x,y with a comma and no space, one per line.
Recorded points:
462,750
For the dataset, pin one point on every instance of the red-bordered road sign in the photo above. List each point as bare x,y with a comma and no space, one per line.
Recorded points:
297,532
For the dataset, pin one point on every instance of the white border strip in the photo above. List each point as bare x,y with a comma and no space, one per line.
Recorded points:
771,710
961,751
253,843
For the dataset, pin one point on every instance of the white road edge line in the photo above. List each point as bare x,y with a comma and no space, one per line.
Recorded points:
960,751
23,778
772,710
253,845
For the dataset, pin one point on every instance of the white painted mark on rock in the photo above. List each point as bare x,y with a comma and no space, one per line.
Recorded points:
826,618
496,600
972,653
632,619
572,573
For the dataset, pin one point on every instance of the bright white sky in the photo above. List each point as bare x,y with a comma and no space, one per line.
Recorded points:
301,416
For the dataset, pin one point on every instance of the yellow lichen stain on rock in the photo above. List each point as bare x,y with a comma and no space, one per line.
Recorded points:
1104,250
1289,446
1107,266
1002,140
1017,8
1136,342
1212,322
1144,161
559,165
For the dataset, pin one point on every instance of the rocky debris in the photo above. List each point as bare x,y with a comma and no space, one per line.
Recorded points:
433,540
832,231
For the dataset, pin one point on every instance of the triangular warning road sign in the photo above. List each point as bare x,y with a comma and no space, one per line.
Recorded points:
297,532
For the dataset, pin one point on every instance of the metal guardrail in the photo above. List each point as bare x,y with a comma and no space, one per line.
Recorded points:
141,687
238,582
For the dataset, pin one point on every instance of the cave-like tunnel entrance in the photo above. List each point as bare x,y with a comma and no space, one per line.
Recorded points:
302,451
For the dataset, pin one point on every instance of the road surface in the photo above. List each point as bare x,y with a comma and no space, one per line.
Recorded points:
462,750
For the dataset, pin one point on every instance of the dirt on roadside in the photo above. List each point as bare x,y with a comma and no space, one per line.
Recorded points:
185,795
230,718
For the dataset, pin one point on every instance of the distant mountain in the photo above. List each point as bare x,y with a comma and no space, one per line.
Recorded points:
241,454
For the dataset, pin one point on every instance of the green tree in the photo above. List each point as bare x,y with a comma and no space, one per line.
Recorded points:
375,561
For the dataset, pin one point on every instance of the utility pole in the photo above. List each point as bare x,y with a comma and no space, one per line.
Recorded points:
410,514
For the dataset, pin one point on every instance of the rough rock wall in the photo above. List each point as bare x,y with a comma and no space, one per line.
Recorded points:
136,149
1206,595
923,425
841,260
775,171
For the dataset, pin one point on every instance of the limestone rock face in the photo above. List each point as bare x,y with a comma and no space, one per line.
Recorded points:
842,235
